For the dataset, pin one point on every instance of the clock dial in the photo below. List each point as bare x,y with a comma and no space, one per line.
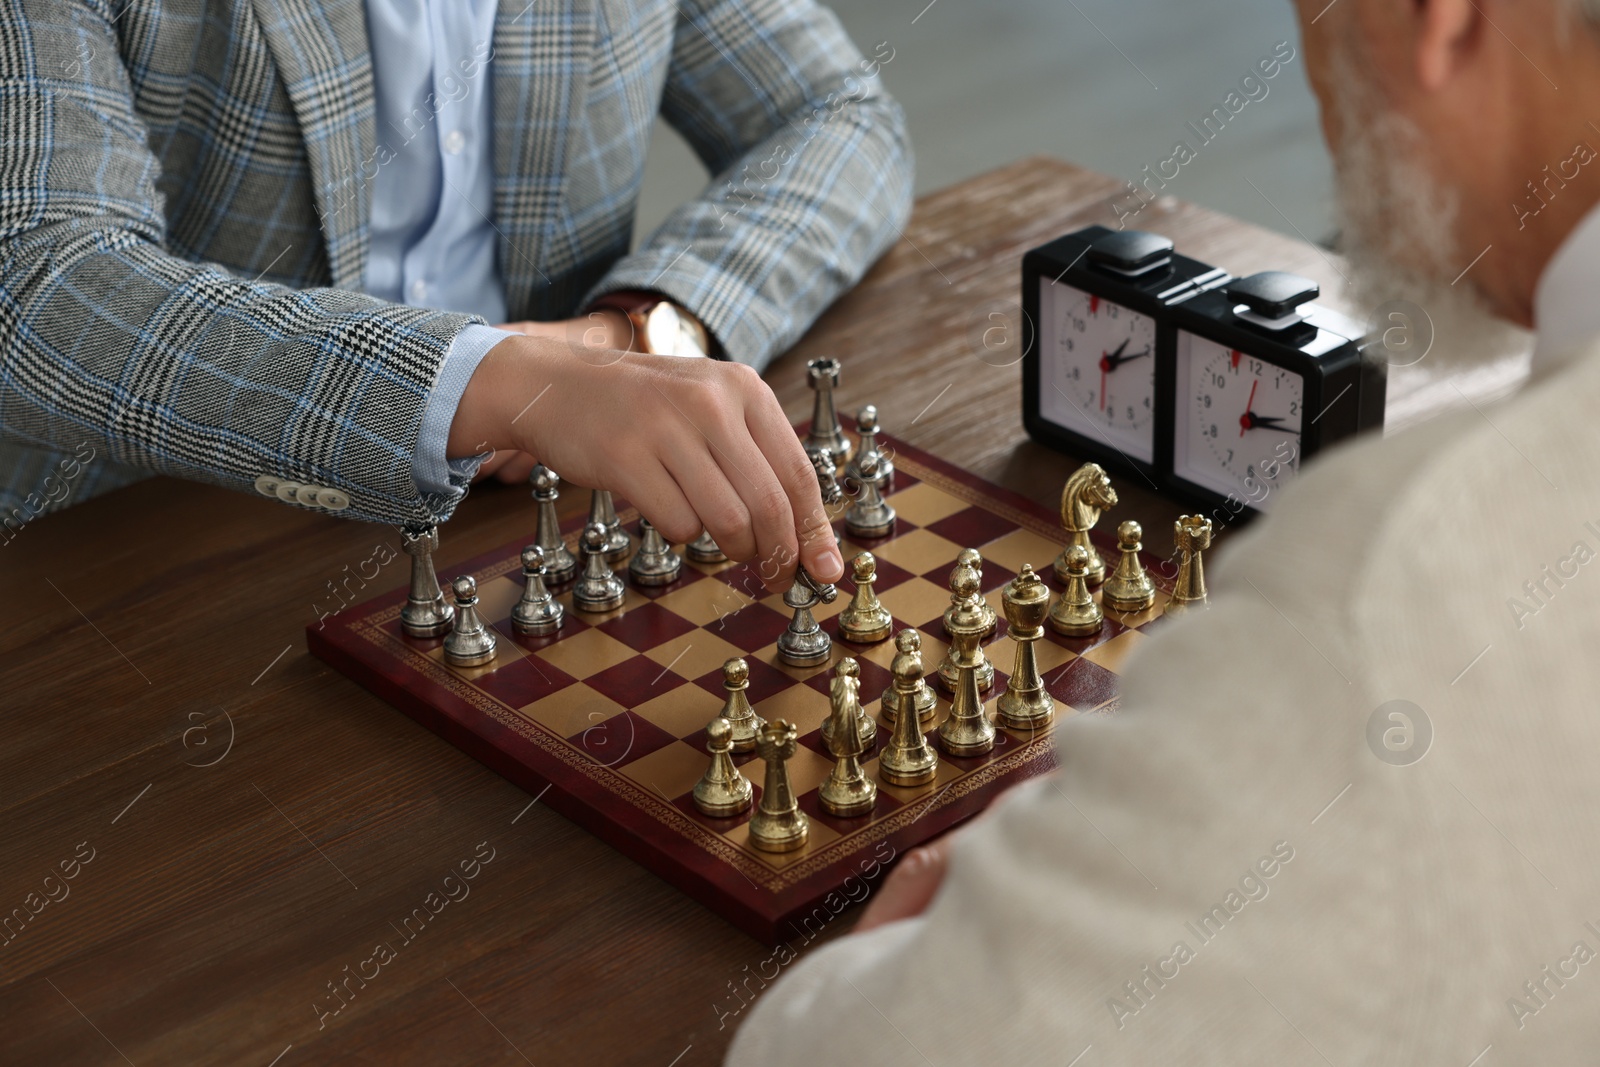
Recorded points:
1098,368
1238,421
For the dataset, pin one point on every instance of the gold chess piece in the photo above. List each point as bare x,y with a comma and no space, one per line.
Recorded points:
1076,614
736,707
1025,705
973,559
966,627
865,621
846,686
968,731
848,791
923,697
1087,493
1192,534
1129,588
778,824
908,759
723,791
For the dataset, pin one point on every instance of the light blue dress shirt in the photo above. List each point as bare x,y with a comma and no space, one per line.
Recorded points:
432,230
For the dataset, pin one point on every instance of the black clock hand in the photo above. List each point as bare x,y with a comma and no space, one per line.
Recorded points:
1112,362
1110,359
1271,422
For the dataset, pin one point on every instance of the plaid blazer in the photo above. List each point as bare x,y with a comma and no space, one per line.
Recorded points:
183,220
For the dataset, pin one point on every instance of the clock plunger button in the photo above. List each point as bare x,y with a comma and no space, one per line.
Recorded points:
1272,294
1130,251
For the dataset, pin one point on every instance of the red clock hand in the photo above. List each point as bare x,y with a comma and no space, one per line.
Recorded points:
1102,383
1245,421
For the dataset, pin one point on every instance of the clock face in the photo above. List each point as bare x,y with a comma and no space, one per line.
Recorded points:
1238,421
1098,369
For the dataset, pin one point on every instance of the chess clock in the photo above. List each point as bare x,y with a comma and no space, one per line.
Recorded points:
1261,378
1098,303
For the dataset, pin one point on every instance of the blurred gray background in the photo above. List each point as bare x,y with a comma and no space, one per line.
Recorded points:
1106,84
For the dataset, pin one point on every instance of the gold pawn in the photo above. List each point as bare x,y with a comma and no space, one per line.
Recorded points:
736,708
865,621
723,791
966,626
1076,614
968,731
1129,588
923,698
908,759
778,824
1192,534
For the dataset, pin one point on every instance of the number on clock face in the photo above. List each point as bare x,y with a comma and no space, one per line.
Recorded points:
1098,363
1239,421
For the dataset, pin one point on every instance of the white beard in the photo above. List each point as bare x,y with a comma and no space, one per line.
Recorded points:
1397,227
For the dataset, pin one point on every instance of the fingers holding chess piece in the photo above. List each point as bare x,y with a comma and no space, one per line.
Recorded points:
723,791
923,698
847,792
704,549
778,824
826,434
846,687
869,515
655,563
560,564
1076,614
1025,705
1129,588
603,510
425,613
908,759
804,643
537,613
1192,535
967,626
470,642
598,589
742,718
1087,493
865,621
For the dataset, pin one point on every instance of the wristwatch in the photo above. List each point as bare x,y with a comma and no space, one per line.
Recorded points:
660,327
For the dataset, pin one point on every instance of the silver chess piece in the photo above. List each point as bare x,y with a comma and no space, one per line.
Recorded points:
827,468
470,642
604,511
559,563
598,589
655,563
703,549
867,424
869,515
805,643
537,613
826,434
426,614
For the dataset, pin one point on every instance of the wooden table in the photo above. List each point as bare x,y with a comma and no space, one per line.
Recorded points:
230,887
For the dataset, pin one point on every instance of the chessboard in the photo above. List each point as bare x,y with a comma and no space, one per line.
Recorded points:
605,720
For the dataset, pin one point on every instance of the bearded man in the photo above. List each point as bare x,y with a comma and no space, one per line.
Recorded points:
1348,815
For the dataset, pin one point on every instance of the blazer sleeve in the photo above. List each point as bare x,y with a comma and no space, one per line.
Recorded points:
157,362
811,163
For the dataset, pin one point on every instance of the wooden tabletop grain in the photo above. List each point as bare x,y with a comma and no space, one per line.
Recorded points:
243,825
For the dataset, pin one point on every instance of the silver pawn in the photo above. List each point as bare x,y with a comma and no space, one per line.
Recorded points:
655,563
703,549
869,515
826,434
470,643
426,614
604,511
805,643
867,424
598,589
537,614
559,563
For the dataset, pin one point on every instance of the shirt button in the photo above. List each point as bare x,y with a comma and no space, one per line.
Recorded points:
454,142
419,290
267,485
307,495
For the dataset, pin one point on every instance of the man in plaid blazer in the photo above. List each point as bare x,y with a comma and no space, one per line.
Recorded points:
184,230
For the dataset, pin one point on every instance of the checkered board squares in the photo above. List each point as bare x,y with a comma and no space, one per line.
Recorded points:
610,712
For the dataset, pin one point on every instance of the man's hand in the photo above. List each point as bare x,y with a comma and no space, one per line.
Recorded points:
911,886
692,443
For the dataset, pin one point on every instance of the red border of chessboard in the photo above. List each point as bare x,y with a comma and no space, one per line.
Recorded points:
364,644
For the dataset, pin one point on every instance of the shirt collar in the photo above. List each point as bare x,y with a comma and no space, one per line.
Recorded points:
1566,312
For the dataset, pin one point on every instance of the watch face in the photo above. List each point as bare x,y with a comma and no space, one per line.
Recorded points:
1097,369
1238,423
